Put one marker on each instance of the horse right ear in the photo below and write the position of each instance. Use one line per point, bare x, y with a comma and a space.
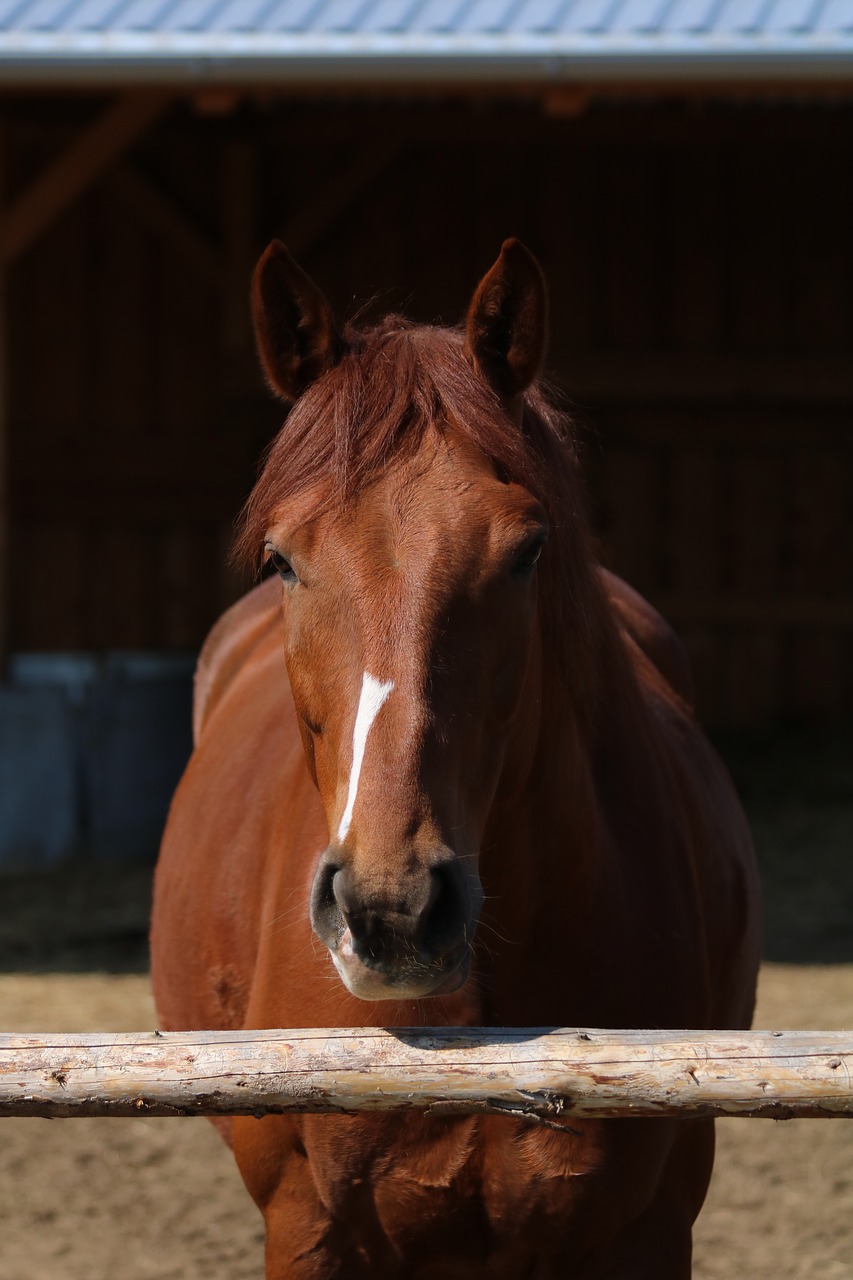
296, 333
507, 323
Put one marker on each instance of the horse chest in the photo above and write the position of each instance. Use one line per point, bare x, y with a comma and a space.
497, 1197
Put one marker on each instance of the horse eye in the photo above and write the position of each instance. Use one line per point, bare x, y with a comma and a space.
283, 567
526, 561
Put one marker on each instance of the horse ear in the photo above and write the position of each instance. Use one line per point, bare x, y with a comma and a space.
507, 323
296, 334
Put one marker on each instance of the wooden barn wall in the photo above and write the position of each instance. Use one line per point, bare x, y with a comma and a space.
700, 262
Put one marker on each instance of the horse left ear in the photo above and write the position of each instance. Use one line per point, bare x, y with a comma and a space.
295, 330
507, 324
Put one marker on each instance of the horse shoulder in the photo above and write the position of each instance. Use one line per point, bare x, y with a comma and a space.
208, 883
696, 797
229, 645
651, 633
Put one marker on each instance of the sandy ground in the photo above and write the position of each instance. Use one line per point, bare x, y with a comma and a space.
143, 1199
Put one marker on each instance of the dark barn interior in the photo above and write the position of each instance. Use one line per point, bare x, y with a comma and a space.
699, 257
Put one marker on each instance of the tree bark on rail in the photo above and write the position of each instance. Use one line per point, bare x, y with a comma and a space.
549, 1076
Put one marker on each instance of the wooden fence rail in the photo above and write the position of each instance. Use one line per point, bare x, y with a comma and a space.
547, 1075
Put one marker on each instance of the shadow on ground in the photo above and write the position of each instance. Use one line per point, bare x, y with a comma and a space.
796, 784
89, 916
797, 787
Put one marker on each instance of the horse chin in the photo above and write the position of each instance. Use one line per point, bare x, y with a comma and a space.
386, 984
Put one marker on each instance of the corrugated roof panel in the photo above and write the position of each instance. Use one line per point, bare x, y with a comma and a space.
537, 15
282, 15
588, 15
791, 15
9, 10
388, 15
641, 15
740, 15
189, 15
487, 15
43, 15
241, 15
837, 15
373, 42
437, 15
613, 19
339, 15
691, 15
92, 15
143, 15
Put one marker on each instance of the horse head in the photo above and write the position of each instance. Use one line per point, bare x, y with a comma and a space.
402, 507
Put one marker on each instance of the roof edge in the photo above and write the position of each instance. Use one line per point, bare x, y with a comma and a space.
177, 58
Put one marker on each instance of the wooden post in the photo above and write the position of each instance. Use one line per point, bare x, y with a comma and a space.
163, 216
549, 1077
79, 165
307, 226
239, 235
241, 381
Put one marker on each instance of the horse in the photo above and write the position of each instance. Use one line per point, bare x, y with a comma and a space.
446, 772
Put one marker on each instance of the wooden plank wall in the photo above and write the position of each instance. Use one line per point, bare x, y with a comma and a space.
702, 315
126, 482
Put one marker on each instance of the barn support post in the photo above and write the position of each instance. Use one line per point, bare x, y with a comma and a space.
239, 214
241, 381
162, 215
82, 162
308, 224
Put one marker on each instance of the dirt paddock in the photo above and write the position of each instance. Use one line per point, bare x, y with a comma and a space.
145, 1199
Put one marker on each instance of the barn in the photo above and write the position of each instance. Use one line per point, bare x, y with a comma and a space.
682, 168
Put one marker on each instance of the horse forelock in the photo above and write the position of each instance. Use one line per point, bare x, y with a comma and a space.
395, 383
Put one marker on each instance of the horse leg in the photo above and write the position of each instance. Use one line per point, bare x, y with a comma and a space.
659, 1244
276, 1172
304, 1238
297, 1242
657, 1251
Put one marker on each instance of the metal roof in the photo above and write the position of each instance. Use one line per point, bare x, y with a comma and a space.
376, 42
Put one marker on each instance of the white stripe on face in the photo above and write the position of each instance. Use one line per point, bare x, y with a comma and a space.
373, 696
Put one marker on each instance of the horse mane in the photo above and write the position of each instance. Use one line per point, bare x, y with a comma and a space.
395, 382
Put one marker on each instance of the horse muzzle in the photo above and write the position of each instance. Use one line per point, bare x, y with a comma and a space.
399, 941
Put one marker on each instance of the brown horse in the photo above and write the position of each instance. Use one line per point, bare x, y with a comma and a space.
446, 772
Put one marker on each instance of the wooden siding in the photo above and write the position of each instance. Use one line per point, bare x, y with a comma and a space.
701, 270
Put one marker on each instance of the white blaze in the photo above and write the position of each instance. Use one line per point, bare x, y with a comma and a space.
373, 696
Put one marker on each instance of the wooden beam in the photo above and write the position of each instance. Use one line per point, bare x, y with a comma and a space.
239, 217
76, 169
708, 380
240, 383
324, 208
755, 610
550, 1076
163, 216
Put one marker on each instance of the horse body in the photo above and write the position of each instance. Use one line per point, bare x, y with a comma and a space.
456, 738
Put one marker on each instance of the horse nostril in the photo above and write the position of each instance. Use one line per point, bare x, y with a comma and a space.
445, 918
341, 892
362, 922
324, 912
423, 919
325, 888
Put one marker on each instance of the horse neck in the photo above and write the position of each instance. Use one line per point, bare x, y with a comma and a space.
550, 822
